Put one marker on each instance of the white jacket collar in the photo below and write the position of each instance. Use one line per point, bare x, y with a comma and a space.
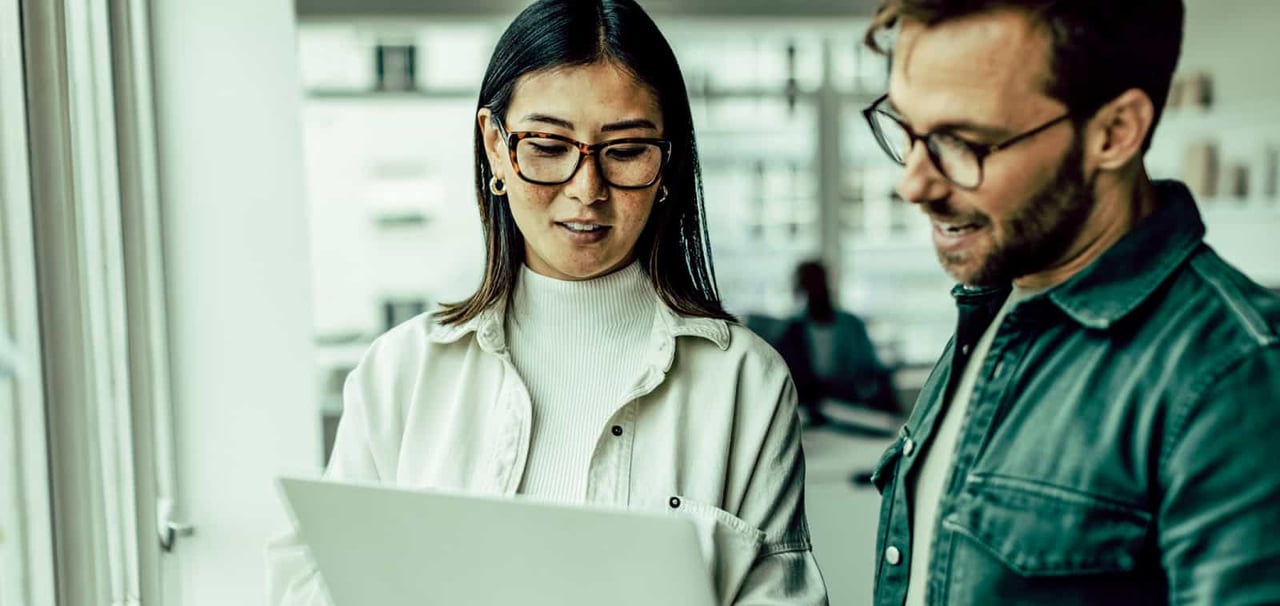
489, 327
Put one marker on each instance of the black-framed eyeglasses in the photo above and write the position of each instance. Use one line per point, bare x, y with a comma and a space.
960, 161
551, 159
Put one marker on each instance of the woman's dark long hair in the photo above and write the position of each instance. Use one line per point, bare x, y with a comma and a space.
673, 248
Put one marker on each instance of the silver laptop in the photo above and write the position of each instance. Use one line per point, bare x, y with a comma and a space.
394, 547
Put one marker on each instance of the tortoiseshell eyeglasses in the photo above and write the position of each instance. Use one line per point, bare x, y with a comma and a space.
550, 159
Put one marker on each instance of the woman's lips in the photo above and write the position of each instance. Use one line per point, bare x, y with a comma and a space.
583, 233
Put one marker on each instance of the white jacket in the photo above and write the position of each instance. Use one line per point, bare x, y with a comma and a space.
712, 421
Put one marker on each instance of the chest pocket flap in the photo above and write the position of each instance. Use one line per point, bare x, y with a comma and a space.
729, 544
1037, 529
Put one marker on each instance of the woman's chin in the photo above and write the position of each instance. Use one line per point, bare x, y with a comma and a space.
576, 264
587, 270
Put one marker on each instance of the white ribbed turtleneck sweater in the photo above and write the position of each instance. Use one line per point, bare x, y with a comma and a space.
578, 346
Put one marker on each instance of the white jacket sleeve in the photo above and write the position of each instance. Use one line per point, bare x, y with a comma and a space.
292, 576
785, 571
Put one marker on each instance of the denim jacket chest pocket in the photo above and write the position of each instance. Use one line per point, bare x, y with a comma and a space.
1029, 540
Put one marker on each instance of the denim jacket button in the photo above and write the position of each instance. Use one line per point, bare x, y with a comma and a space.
908, 447
893, 556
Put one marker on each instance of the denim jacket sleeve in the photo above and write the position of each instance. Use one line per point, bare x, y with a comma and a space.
785, 571
1218, 516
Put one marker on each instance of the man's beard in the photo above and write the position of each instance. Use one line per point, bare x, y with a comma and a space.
1040, 233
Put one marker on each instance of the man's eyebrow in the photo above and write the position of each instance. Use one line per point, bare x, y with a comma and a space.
983, 131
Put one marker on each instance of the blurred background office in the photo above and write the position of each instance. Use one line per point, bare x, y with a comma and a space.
210, 209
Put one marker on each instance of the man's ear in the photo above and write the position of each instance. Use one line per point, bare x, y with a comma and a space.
494, 146
1116, 134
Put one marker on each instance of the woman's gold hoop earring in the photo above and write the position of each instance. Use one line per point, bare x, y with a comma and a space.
497, 186
662, 193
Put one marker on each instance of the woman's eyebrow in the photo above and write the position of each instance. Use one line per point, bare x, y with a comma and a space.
611, 127
547, 119
629, 125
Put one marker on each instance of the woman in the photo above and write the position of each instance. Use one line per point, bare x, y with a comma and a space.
594, 364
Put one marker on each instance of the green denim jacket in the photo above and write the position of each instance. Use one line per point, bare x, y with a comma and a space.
1123, 441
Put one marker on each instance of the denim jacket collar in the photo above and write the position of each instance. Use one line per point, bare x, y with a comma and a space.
1127, 274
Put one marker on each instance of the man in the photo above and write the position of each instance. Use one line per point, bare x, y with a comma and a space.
1102, 427
831, 356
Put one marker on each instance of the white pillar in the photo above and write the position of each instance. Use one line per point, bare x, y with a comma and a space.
228, 100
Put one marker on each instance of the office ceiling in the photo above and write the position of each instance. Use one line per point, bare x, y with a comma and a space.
308, 9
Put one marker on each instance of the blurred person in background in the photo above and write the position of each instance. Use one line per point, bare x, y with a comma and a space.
831, 356
595, 363
1101, 429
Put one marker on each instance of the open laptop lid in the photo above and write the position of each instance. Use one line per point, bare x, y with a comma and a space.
394, 547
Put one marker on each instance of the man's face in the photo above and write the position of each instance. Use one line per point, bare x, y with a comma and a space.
982, 78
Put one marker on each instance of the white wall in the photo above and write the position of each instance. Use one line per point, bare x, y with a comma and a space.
357, 264
369, 155
1235, 42
239, 298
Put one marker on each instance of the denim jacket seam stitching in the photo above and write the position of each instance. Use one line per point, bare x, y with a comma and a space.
982, 542
1001, 356
1045, 489
1020, 565
935, 561
1253, 325
1143, 288
984, 382
948, 566
936, 387
883, 536
1183, 407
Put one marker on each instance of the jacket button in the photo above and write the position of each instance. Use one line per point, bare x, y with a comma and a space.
674, 502
893, 556
617, 430
964, 350
908, 447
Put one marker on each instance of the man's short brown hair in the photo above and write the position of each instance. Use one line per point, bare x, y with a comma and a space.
1100, 48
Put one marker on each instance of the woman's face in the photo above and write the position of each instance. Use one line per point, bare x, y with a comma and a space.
584, 227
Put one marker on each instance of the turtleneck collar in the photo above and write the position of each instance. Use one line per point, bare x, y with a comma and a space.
623, 296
